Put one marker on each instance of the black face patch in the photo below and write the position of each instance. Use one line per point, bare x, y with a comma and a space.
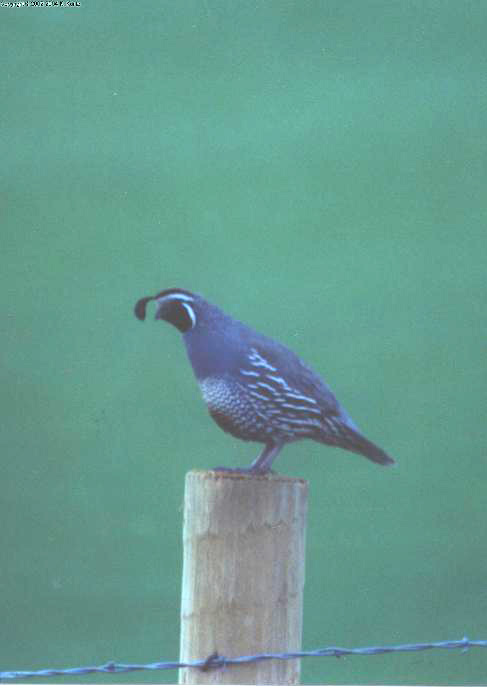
179, 313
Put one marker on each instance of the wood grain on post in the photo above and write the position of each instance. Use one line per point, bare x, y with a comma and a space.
243, 574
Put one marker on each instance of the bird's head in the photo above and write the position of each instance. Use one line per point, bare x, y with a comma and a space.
176, 306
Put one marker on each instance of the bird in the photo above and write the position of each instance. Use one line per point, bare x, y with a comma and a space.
254, 387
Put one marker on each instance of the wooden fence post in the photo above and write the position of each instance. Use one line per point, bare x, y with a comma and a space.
243, 574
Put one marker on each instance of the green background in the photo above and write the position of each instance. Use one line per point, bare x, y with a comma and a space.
317, 169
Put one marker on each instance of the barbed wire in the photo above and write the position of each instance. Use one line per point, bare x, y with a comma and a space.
215, 661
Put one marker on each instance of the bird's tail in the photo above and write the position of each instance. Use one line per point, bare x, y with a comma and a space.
350, 439
356, 442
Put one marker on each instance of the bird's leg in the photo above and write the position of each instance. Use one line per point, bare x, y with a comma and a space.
260, 465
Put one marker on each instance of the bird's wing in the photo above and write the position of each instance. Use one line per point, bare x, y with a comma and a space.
282, 366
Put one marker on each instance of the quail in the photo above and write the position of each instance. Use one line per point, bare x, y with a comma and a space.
255, 388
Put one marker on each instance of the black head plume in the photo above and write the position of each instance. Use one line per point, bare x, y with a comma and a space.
140, 307
175, 306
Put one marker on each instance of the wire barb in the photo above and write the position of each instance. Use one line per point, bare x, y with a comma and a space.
215, 661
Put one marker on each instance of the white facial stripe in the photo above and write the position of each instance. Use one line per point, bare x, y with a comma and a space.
191, 314
179, 297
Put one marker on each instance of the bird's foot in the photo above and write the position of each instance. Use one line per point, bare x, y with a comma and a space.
260, 471
242, 470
